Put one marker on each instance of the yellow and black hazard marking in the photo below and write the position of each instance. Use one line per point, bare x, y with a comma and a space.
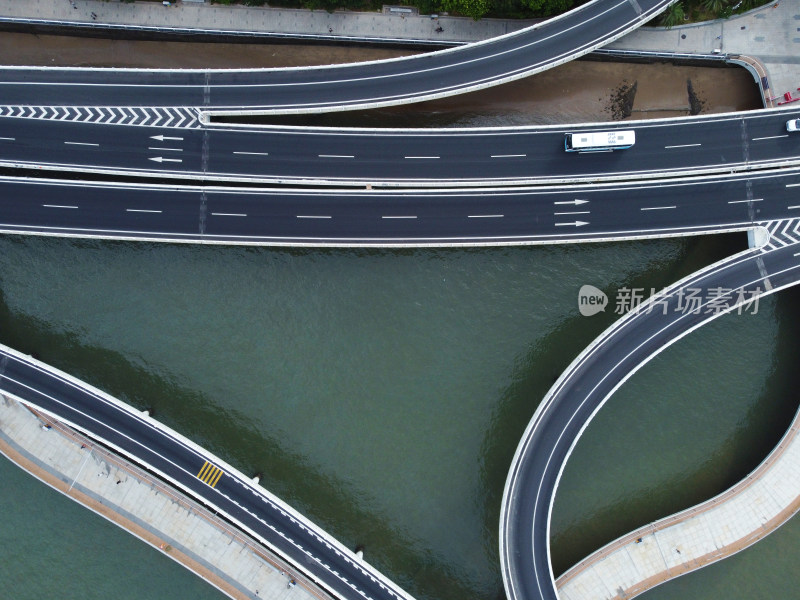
209, 474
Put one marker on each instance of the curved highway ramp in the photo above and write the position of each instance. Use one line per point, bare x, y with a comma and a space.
593, 377
338, 87
196, 472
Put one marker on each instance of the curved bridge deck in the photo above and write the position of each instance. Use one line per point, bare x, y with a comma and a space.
156, 513
197, 473
592, 378
339, 87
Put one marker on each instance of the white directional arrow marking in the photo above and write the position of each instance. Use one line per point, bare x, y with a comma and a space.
573, 224
162, 159
576, 202
161, 138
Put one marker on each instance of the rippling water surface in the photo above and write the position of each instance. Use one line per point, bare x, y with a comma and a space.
383, 394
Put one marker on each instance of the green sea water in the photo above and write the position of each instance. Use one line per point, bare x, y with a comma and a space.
383, 392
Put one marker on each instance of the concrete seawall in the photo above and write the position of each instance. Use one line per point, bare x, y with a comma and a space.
153, 511
696, 537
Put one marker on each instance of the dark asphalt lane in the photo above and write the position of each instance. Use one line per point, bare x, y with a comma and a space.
401, 157
161, 451
436, 74
398, 218
52, 208
587, 384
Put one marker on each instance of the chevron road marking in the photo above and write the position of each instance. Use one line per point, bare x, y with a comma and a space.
185, 118
782, 233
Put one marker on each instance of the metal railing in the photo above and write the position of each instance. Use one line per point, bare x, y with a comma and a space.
182, 500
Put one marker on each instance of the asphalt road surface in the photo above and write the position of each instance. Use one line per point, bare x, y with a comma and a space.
590, 380
338, 87
163, 451
385, 157
470, 216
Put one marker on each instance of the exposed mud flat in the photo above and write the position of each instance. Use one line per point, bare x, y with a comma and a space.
620, 104
696, 104
579, 91
69, 51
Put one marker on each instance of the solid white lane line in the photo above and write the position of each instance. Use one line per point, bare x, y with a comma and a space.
314, 217
683, 146
166, 149
336, 156
792, 184
399, 217
58, 206
743, 201
509, 155
142, 210
199, 452
793, 207
253, 153
658, 208
228, 214
80, 144
485, 216
771, 137
412, 157
504, 76
8, 139
577, 212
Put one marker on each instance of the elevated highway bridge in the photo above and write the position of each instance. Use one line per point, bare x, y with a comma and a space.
701, 196
339, 87
135, 145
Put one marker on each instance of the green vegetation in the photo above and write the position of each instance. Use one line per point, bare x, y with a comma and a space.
684, 11
509, 9
694, 11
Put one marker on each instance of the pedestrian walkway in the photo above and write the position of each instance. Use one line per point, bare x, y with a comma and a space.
696, 537
156, 513
386, 26
767, 38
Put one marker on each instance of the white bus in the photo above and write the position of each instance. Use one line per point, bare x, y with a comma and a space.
599, 141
